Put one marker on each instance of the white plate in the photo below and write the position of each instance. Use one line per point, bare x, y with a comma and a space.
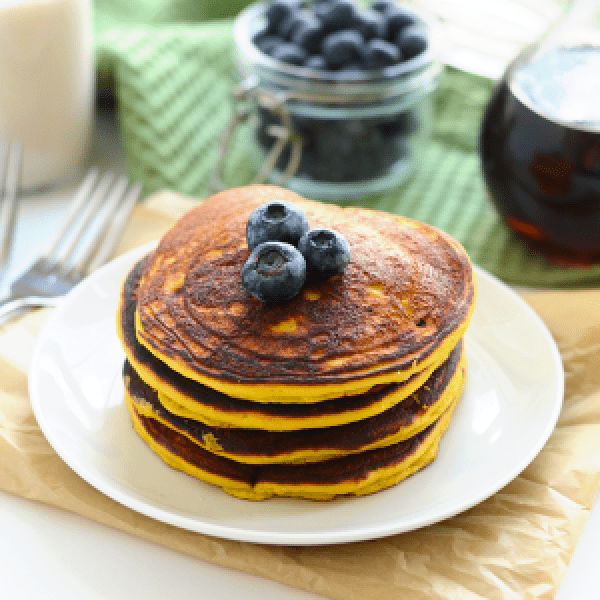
508, 410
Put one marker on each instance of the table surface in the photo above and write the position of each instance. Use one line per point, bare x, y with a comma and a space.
73, 557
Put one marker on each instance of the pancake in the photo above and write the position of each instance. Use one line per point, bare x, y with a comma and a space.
235, 412
257, 446
187, 398
398, 308
354, 474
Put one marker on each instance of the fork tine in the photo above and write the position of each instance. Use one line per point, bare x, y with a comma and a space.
109, 206
111, 230
11, 159
81, 196
85, 218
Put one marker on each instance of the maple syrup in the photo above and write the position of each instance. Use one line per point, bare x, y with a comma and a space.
540, 150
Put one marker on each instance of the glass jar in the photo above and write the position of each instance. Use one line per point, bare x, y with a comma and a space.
540, 140
48, 86
332, 135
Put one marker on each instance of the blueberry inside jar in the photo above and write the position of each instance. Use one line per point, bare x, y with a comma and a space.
354, 83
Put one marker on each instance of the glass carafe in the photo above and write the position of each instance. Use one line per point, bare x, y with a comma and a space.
540, 140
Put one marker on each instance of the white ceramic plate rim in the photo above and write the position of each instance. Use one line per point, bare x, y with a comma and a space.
508, 410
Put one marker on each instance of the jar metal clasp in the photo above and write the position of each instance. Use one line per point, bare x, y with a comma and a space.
245, 95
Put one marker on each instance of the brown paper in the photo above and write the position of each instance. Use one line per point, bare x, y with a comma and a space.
516, 544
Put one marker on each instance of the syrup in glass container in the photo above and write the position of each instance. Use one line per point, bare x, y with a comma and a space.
540, 150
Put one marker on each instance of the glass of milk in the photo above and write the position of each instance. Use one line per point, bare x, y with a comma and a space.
47, 86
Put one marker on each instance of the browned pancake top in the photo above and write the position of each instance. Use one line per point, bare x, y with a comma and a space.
407, 287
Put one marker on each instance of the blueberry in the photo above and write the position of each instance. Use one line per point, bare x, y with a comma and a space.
276, 221
336, 14
267, 42
274, 272
342, 47
308, 33
411, 41
326, 251
371, 24
381, 53
278, 11
397, 19
284, 29
383, 5
289, 53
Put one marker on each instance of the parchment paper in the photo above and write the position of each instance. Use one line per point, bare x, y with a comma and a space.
516, 544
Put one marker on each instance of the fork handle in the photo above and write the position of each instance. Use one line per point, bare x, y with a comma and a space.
10, 307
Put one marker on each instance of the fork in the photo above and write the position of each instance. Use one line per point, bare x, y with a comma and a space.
11, 155
94, 222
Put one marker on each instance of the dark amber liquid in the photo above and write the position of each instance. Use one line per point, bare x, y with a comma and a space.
544, 177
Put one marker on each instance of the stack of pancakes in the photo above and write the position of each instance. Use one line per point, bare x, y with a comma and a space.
344, 389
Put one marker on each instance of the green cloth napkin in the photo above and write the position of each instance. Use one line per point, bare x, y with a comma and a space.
174, 82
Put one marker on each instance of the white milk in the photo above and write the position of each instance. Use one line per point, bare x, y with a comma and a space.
47, 81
